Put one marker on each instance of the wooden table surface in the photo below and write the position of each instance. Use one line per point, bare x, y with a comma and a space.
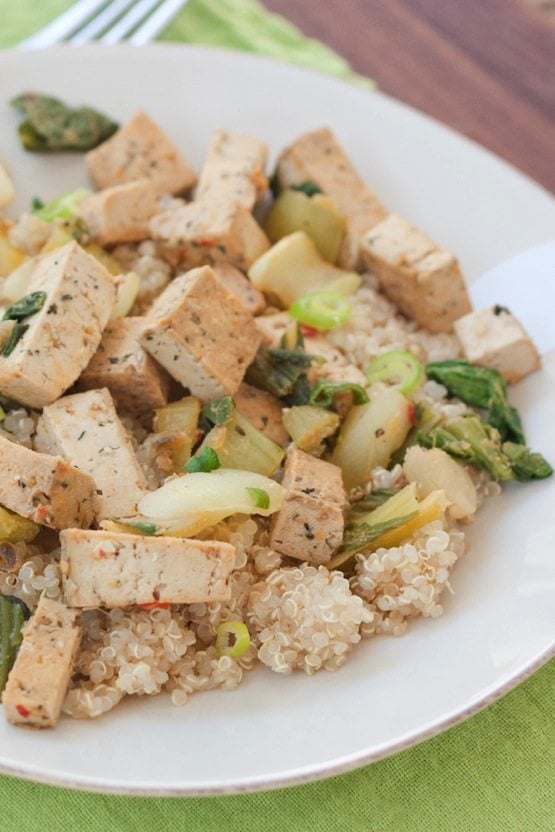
485, 67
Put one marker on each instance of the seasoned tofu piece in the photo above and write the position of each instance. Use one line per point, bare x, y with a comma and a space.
239, 285
120, 214
201, 334
494, 338
318, 157
85, 429
107, 569
424, 280
44, 488
64, 334
39, 679
234, 169
209, 231
263, 411
309, 526
140, 150
137, 383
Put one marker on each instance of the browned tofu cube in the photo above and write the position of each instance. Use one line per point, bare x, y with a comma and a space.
309, 526
233, 170
137, 383
494, 338
120, 214
318, 157
201, 334
209, 231
424, 280
263, 410
140, 150
239, 285
108, 569
39, 679
64, 334
44, 488
85, 429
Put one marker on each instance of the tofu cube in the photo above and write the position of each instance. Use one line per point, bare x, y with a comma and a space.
39, 679
424, 280
209, 231
201, 334
239, 285
84, 428
309, 526
233, 170
44, 488
263, 410
318, 157
106, 569
120, 214
140, 150
64, 334
494, 338
137, 383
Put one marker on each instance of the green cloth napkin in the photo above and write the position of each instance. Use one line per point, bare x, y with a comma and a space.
494, 773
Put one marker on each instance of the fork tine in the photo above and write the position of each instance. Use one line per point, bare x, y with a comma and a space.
100, 21
63, 25
157, 21
135, 14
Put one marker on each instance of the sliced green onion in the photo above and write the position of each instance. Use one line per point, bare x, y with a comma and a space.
399, 368
206, 461
232, 639
63, 207
321, 310
323, 391
260, 498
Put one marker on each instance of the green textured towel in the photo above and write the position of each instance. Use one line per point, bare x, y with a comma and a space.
494, 773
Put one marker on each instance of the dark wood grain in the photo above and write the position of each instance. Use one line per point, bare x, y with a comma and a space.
485, 67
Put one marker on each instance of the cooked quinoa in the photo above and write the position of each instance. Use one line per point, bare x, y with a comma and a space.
297, 599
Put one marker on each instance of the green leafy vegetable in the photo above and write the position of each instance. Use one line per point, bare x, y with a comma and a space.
323, 392
260, 498
278, 370
13, 614
17, 332
480, 387
206, 461
372, 501
36, 204
309, 188
359, 535
64, 207
526, 464
50, 125
470, 439
218, 411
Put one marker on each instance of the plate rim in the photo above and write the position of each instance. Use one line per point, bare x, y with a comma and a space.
312, 772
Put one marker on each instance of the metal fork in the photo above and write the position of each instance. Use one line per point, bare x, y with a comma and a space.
107, 22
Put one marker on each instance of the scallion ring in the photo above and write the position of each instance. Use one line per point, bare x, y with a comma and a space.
232, 639
398, 368
321, 310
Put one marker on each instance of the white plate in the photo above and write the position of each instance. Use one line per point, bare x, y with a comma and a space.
499, 625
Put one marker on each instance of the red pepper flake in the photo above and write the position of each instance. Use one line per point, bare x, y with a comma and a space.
411, 410
41, 511
154, 605
22, 711
101, 552
205, 241
309, 331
